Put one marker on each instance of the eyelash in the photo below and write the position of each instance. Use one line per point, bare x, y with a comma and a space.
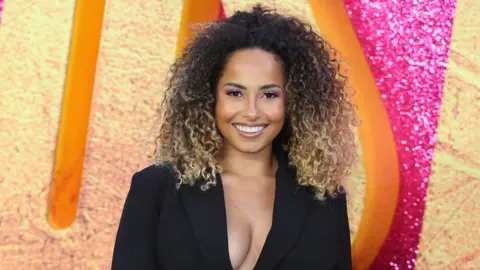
234, 93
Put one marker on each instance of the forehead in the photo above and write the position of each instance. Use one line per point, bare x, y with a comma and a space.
253, 65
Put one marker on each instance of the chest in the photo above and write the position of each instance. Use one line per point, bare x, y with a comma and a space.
213, 230
249, 211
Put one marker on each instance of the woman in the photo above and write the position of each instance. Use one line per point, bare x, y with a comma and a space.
255, 140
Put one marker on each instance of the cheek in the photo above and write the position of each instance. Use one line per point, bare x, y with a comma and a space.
277, 113
223, 112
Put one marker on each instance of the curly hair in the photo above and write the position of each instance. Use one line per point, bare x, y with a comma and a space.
317, 133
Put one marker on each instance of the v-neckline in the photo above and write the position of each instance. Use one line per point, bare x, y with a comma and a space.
207, 214
226, 240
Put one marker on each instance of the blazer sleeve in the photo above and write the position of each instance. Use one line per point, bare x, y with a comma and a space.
136, 240
344, 256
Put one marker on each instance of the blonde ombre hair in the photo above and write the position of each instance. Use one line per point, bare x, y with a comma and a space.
318, 133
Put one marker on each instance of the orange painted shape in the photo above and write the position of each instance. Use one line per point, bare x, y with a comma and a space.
376, 135
193, 12
73, 130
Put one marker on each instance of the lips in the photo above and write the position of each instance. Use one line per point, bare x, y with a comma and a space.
250, 130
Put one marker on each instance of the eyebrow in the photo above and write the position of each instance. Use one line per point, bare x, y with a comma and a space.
264, 87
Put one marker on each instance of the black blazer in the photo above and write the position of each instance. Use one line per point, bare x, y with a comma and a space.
164, 228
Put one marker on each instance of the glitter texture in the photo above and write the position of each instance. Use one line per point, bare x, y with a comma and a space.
1, 9
407, 46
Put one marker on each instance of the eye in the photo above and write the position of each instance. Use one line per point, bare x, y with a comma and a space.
234, 93
270, 95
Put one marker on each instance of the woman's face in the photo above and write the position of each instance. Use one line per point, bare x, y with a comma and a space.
250, 100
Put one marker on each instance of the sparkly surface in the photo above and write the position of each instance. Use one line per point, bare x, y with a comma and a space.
451, 225
1, 9
407, 47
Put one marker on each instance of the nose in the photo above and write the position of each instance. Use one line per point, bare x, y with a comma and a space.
251, 111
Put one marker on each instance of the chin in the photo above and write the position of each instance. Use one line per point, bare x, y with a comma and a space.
251, 148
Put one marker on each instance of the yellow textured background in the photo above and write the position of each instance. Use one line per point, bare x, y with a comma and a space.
138, 44
451, 229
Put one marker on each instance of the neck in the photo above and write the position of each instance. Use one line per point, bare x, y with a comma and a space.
234, 161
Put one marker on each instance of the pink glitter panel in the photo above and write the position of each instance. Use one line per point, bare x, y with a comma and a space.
1, 9
407, 44
221, 12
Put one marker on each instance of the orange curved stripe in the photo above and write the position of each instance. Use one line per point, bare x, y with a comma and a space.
195, 11
67, 173
376, 135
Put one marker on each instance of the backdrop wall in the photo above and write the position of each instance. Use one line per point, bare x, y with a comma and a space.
432, 103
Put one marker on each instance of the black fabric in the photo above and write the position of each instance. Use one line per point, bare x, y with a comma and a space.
164, 228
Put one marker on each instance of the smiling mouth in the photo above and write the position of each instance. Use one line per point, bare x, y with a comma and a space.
250, 131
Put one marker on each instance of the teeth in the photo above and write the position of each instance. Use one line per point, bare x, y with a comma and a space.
250, 129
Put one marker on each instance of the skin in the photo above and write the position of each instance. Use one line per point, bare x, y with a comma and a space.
250, 92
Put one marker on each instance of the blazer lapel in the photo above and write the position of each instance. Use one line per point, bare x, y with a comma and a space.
206, 211
291, 206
